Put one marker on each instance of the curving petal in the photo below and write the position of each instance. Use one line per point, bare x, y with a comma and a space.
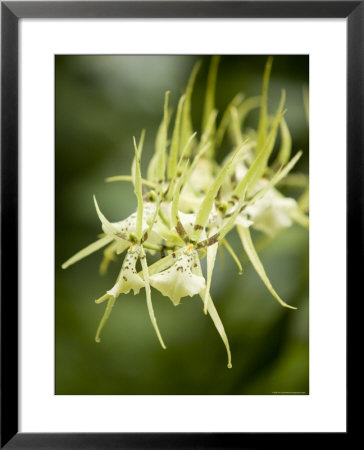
211, 258
246, 240
87, 251
213, 313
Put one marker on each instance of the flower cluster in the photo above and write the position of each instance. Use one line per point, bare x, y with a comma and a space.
187, 204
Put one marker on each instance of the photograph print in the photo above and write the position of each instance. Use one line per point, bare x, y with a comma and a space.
182, 224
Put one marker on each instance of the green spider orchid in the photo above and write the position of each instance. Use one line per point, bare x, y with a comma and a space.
188, 204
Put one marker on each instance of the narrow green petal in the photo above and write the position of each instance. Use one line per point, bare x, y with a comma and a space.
263, 117
164, 263
248, 105
219, 326
186, 124
208, 201
149, 297
129, 178
296, 180
173, 156
211, 258
286, 143
181, 166
138, 191
87, 251
140, 150
256, 170
235, 125
106, 315
176, 195
108, 227
163, 144
157, 165
210, 90
232, 254
280, 175
208, 134
226, 117
214, 314
186, 152
248, 245
102, 299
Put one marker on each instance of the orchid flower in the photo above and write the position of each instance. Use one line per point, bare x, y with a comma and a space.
188, 204
179, 280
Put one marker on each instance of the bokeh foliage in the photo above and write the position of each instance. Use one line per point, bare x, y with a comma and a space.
101, 102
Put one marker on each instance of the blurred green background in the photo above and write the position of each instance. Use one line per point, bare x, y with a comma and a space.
101, 102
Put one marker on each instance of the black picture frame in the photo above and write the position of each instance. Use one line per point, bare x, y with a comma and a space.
11, 12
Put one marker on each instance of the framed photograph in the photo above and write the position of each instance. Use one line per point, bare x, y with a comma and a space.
181, 190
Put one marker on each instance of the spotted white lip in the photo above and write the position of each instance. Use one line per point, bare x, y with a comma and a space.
178, 281
128, 278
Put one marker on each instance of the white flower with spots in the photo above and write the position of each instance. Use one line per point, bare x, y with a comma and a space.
189, 203
178, 281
